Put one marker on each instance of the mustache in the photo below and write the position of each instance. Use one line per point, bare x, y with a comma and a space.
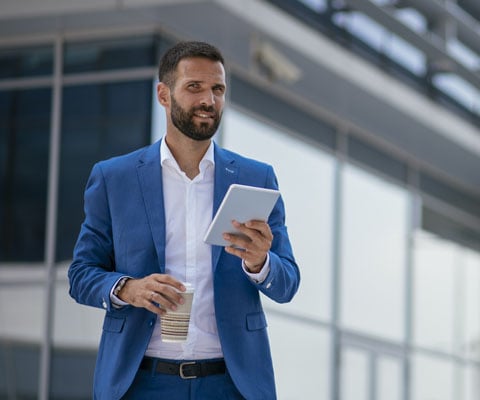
209, 109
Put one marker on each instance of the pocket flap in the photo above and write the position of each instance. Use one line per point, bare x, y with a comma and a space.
256, 321
112, 324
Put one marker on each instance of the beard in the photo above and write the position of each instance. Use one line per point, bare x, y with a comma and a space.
183, 121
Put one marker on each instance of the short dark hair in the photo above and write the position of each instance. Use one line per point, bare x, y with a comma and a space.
181, 50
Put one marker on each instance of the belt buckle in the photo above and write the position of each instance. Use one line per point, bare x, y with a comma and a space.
183, 364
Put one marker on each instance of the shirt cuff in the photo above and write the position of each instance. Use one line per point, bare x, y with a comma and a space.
116, 302
258, 277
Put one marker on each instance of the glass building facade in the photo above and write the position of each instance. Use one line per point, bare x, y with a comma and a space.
389, 304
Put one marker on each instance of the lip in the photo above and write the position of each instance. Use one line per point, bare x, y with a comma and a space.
204, 115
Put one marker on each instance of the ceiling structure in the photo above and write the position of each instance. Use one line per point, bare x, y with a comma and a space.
326, 80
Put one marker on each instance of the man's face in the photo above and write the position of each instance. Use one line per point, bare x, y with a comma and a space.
198, 97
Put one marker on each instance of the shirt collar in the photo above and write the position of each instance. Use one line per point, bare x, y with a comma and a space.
167, 158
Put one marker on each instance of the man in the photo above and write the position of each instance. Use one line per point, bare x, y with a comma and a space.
145, 216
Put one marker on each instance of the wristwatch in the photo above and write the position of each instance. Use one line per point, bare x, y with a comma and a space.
120, 285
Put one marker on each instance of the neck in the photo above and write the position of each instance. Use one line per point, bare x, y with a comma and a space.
187, 152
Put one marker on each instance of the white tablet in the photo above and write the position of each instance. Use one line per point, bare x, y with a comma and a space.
241, 203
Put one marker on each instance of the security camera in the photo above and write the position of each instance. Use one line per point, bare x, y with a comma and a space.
274, 64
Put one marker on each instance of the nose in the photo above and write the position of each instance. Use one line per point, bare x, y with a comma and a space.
208, 98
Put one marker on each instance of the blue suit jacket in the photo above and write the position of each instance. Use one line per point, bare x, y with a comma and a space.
124, 234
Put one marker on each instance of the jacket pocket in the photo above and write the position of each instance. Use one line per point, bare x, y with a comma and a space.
256, 321
112, 324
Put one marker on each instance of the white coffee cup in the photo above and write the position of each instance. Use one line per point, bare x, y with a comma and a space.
174, 324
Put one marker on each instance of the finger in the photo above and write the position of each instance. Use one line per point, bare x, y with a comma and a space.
155, 308
169, 280
254, 243
255, 230
167, 286
166, 290
260, 226
253, 262
168, 294
237, 240
245, 254
161, 300
241, 253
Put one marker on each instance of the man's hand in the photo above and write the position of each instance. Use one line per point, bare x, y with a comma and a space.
253, 245
155, 292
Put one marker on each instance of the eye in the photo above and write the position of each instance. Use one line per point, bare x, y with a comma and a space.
219, 89
193, 85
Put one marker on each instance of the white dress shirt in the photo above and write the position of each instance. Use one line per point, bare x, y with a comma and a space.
188, 213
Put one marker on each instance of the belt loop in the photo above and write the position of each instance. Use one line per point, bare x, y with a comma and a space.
153, 369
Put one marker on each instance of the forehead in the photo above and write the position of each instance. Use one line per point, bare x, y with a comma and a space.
201, 69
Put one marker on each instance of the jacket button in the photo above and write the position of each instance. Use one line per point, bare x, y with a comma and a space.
104, 304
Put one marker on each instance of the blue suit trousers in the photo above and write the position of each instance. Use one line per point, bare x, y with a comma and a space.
149, 385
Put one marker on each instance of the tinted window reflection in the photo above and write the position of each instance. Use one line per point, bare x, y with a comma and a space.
26, 62
72, 374
111, 54
19, 376
24, 143
99, 121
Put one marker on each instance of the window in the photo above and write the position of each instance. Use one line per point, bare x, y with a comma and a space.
432, 378
301, 355
25, 62
24, 151
355, 375
109, 54
99, 121
390, 382
446, 294
305, 176
373, 254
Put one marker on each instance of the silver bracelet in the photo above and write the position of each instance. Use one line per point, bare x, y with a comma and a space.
120, 285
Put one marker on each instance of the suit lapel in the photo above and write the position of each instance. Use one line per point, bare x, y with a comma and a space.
151, 185
226, 173
150, 179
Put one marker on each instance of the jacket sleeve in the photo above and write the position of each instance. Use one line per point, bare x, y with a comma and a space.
283, 280
91, 274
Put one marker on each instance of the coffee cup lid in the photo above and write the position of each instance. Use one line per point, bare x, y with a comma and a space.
188, 286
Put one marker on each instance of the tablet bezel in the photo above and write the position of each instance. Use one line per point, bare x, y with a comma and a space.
241, 203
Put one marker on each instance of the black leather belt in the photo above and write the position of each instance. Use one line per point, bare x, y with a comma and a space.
184, 369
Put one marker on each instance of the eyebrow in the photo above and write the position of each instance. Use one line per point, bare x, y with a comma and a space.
218, 84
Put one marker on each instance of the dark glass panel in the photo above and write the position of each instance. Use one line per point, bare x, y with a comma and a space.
72, 374
24, 149
461, 199
26, 62
19, 370
98, 122
262, 103
377, 159
109, 54
447, 228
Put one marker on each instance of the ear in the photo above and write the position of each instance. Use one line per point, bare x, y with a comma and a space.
163, 94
